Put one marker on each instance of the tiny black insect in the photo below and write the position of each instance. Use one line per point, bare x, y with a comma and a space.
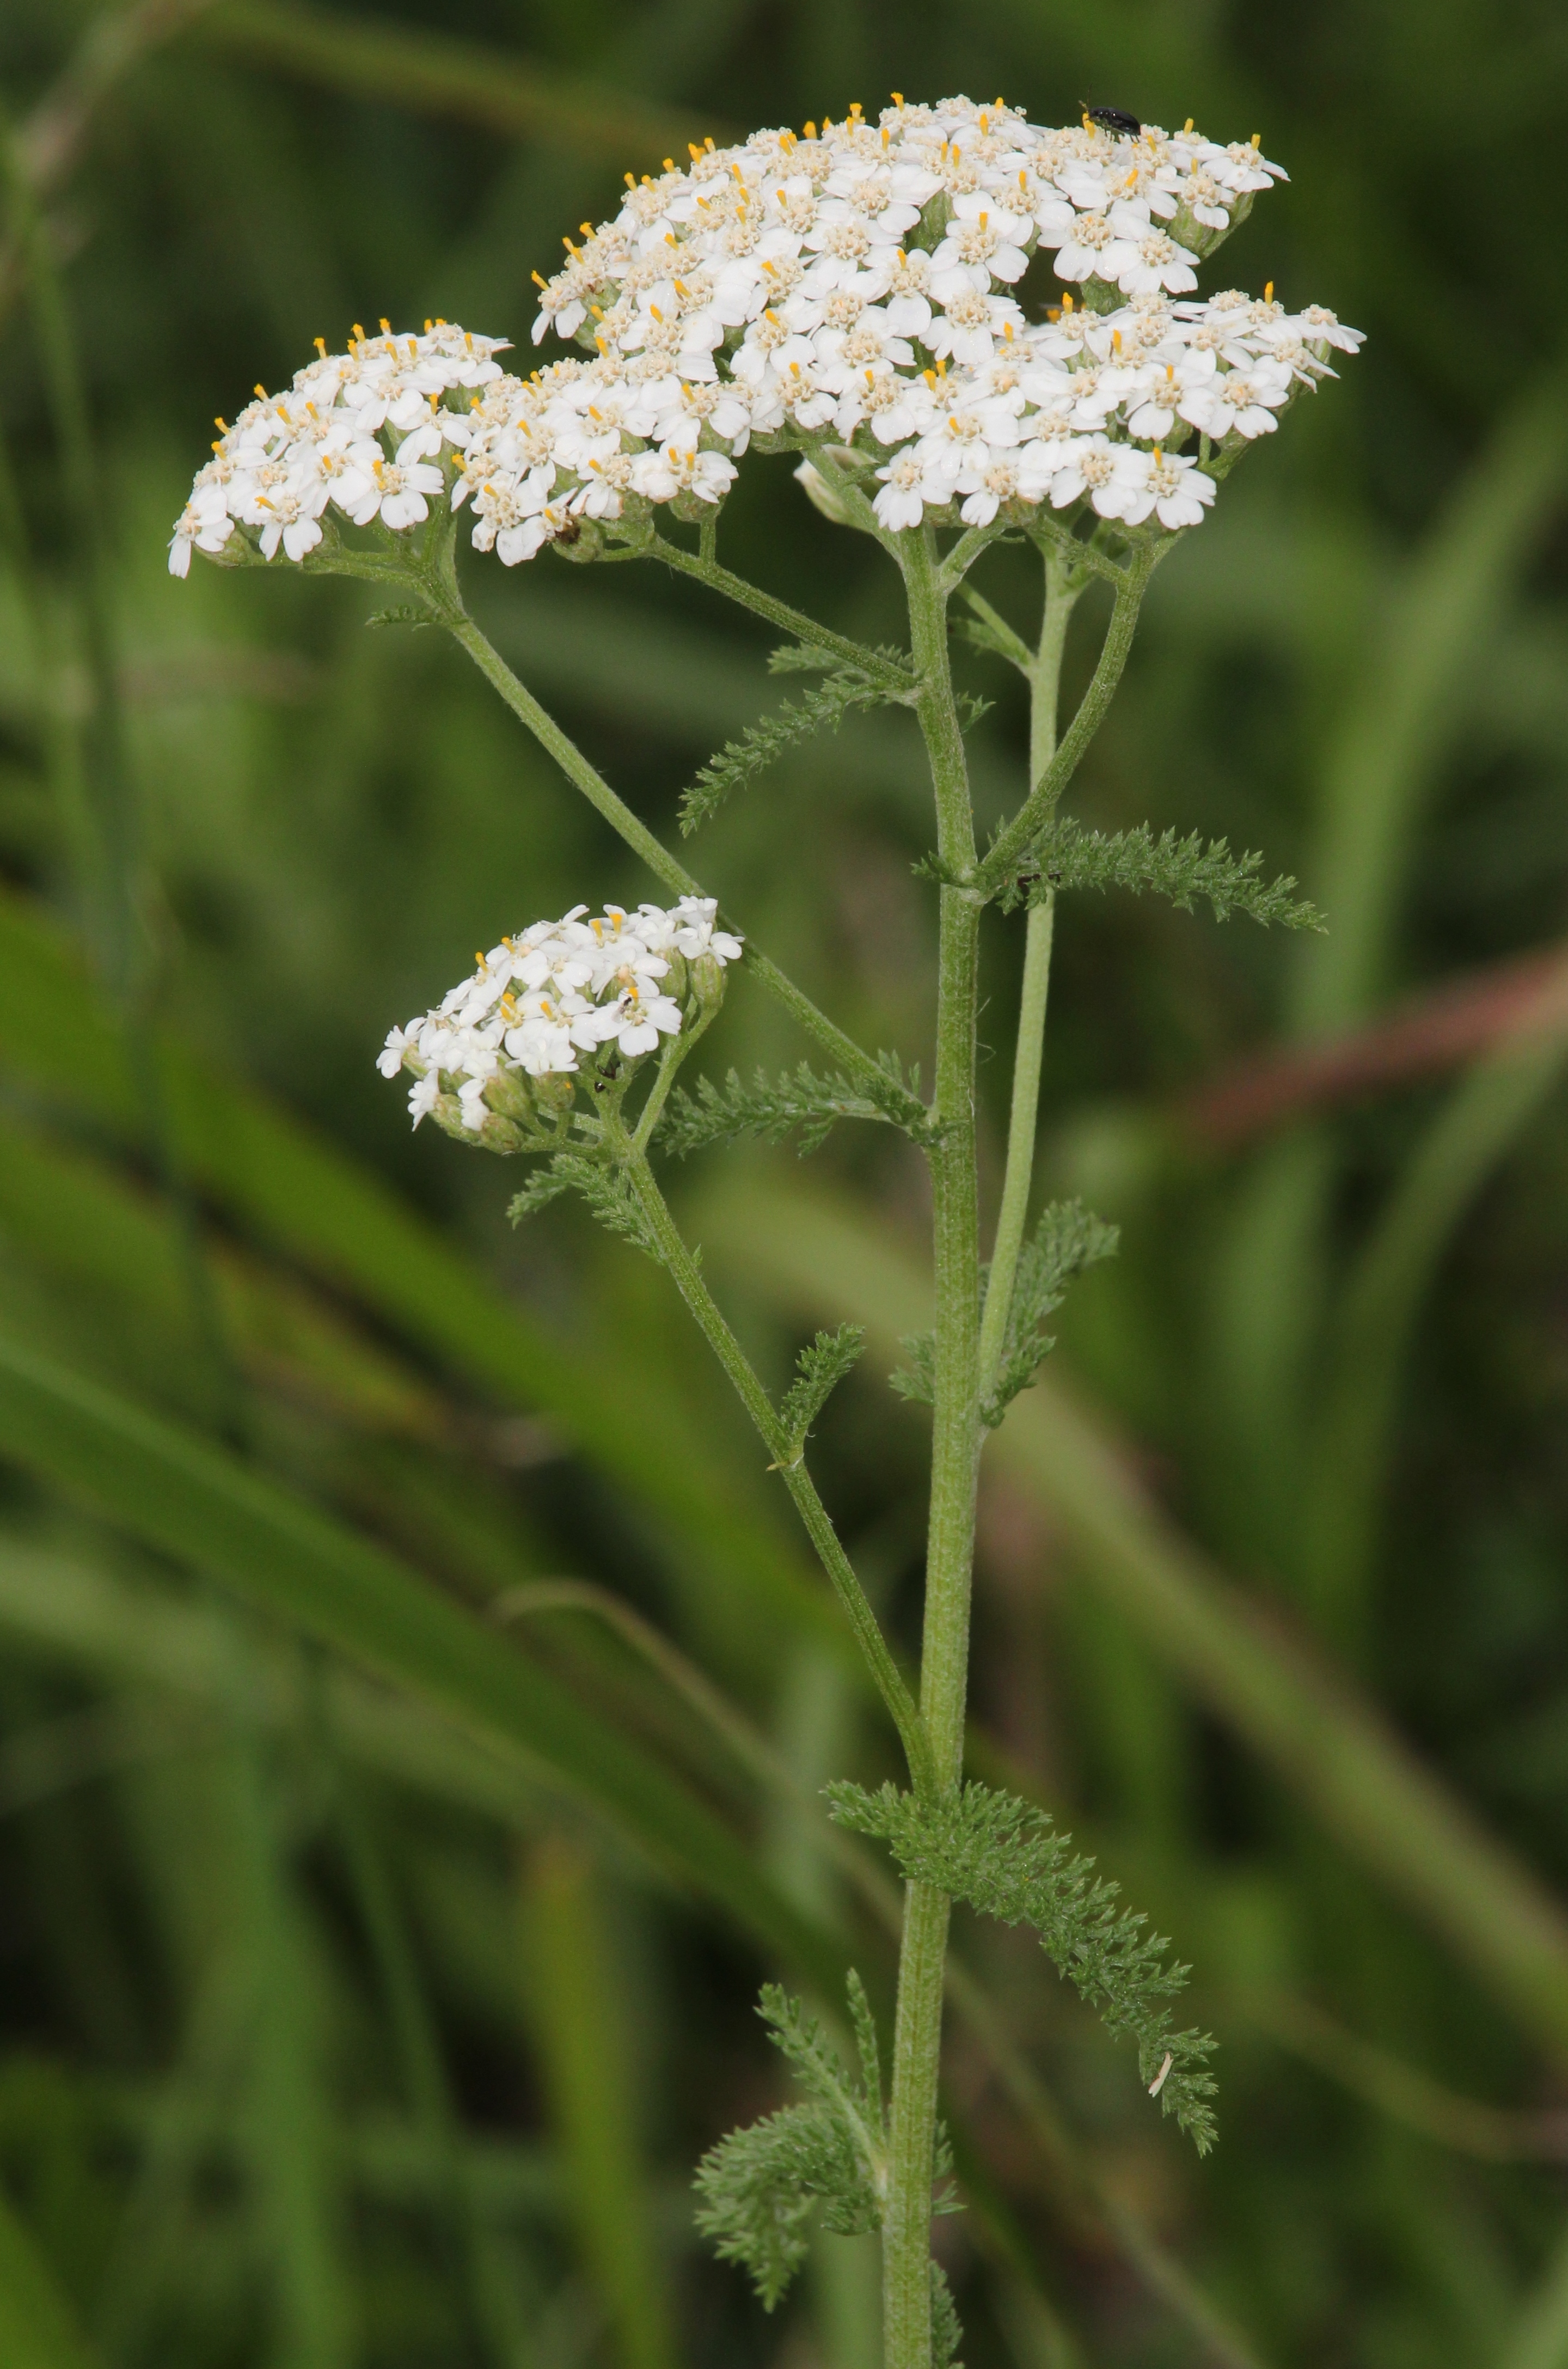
1114, 119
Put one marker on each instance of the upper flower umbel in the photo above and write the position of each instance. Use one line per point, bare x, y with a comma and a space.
852, 286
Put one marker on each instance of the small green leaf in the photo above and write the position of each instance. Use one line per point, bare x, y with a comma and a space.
739, 762
1007, 1861
917, 1380
1070, 856
1068, 1238
761, 2186
773, 1107
822, 1367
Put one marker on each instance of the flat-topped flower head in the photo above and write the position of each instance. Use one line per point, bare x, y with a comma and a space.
852, 286
559, 998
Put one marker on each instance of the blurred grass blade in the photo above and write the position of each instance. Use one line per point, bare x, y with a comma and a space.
583, 2041
1327, 1743
285, 2111
434, 75
76, 1217
37, 2329
1475, 1130
1439, 631
315, 1204
1540, 2337
175, 1492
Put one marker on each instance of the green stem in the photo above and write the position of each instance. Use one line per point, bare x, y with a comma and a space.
863, 1621
675, 1051
917, 2042
666, 868
1041, 803
1014, 1211
779, 613
1043, 675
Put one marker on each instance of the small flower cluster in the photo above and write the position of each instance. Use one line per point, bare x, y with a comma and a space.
607, 988
364, 430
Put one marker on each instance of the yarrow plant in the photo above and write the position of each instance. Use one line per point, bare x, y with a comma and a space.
851, 295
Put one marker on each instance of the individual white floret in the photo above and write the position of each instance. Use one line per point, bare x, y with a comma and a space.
204, 521
901, 502
1170, 486
1108, 474
661, 475
1239, 402
396, 492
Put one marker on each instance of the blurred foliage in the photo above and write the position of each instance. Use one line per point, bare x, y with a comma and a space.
372, 1978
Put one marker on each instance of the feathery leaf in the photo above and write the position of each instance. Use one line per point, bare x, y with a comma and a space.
761, 2186
917, 1380
1072, 856
770, 1107
1006, 1859
822, 1367
607, 1190
1066, 1239
739, 762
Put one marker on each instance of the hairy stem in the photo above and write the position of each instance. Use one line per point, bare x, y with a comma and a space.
778, 613
863, 1621
917, 2040
666, 868
1041, 803
1044, 674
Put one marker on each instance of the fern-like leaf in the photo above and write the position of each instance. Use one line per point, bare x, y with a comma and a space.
607, 1190
1007, 1861
822, 1367
1068, 1238
946, 2333
806, 658
545, 1184
760, 2187
820, 709
774, 1107
917, 1380
1072, 856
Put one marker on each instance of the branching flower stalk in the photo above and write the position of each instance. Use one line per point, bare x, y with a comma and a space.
842, 295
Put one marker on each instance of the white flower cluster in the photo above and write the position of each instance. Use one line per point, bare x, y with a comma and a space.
853, 285
561, 988
364, 430
848, 291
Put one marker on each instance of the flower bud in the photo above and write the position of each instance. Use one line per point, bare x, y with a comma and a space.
511, 1094
707, 982
822, 496
677, 980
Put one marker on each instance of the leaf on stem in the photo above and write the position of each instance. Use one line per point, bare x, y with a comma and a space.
739, 762
1072, 856
946, 2333
1007, 1861
761, 2186
917, 1380
822, 1367
606, 1188
806, 658
1068, 1238
770, 1107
